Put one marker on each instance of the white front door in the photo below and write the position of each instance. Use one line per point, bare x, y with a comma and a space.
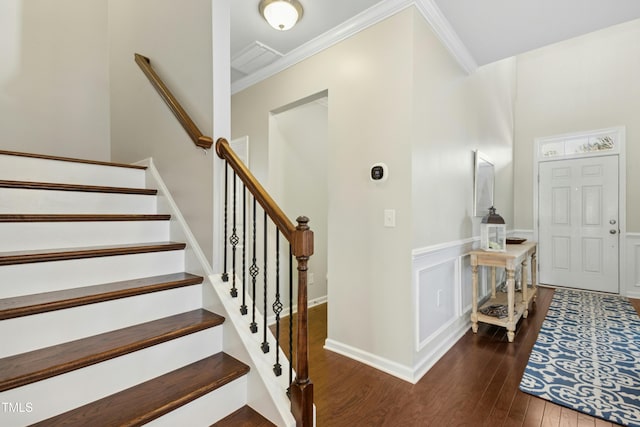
578, 223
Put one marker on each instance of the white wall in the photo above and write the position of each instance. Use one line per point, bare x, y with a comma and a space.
177, 37
368, 79
54, 89
589, 82
395, 96
454, 115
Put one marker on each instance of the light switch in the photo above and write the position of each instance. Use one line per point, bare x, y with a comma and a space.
389, 217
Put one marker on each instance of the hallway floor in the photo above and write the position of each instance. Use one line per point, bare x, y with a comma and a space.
474, 384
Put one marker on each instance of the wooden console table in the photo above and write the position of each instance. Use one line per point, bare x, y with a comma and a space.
517, 302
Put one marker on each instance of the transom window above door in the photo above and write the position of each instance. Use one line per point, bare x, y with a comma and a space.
580, 145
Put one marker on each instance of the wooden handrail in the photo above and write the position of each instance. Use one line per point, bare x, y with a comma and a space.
286, 227
301, 239
189, 126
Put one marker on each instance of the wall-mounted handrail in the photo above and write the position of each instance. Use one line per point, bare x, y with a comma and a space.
300, 238
189, 126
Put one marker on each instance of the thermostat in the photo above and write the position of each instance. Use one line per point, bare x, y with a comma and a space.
379, 172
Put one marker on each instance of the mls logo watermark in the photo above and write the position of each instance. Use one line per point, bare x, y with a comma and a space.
16, 407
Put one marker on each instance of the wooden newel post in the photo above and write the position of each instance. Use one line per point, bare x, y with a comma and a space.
302, 387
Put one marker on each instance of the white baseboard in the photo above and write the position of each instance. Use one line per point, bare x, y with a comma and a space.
445, 341
385, 365
443, 345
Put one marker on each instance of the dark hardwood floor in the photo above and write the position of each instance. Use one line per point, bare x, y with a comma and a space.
474, 384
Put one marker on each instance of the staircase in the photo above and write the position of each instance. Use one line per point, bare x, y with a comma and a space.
100, 323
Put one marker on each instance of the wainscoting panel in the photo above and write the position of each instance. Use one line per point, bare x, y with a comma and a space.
633, 265
437, 298
466, 289
442, 294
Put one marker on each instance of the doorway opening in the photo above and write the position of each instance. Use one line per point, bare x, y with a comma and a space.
297, 177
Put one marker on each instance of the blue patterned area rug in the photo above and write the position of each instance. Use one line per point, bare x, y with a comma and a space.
587, 357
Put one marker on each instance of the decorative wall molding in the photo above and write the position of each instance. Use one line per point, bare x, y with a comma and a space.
440, 247
360, 22
632, 273
435, 315
446, 295
443, 30
442, 294
437, 268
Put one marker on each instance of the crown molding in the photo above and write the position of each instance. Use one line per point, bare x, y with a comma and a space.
444, 31
363, 20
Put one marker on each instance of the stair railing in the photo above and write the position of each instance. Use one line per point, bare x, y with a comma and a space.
196, 136
300, 240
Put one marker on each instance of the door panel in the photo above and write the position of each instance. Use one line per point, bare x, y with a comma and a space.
578, 201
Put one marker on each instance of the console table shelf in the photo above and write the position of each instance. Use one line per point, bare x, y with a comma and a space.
517, 302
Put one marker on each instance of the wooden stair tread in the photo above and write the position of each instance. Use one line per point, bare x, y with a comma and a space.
33, 185
36, 365
244, 417
71, 159
60, 254
147, 401
82, 217
56, 300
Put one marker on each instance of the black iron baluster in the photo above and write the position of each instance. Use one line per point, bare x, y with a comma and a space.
225, 274
254, 270
277, 307
234, 240
265, 344
290, 320
243, 308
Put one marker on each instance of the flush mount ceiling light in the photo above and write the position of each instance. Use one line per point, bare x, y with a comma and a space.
281, 14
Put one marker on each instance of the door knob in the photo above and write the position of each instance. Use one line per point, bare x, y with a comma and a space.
613, 231
612, 222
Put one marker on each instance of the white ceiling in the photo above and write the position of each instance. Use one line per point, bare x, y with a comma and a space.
477, 32
496, 29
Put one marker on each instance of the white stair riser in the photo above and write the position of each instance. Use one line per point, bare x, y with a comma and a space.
18, 168
208, 409
62, 326
23, 201
27, 279
64, 392
43, 235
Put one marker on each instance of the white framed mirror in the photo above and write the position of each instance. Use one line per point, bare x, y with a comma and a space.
483, 188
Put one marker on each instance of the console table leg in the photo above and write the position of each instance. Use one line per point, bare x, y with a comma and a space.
534, 275
510, 302
474, 302
525, 287
493, 282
